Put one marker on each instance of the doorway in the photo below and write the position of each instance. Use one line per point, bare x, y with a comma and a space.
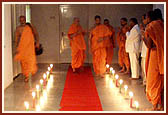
67, 13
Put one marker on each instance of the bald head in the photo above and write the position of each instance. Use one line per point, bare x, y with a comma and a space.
76, 20
22, 20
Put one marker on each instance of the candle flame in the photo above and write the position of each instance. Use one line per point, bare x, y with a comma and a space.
41, 81
26, 104
131, 94
136, 104
44, 76
116, 76
37, 87
107, 66
126, 87
121, 81
111, 69
33, 94
49, 68
47, 72
51, 65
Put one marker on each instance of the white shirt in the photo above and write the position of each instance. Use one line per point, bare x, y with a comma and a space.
143, 49
133, 40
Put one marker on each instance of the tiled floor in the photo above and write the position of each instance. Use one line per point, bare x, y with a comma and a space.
111, 99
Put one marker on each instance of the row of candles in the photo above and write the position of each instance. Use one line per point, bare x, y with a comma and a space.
119, 83
40, 94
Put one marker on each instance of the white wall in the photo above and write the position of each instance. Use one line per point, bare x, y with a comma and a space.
7, 47
46, 19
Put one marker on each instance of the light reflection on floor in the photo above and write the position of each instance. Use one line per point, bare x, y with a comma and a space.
111, 98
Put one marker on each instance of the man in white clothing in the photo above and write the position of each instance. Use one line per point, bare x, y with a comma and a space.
132, 47
143, 50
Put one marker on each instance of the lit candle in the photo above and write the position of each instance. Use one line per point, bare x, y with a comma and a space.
131, 98
51, 66
136, 105
121, 81
113, 72
37, 107
33, 95
48, 75
49, 69
41, 83
107, 66
116, 77
44, 77
111, 69
26, 105
37, 87
125, 87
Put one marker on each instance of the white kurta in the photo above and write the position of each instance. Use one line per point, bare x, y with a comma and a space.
143, 59
132, 47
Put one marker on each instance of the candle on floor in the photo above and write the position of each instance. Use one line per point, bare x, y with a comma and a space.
33, 95
51, 66
126, 88
44, 77
48, 75
111, 69
107, 67
41, 83
136, 105
121, 81
131, 98
26, 105
113, 72
116, 77
49, 69
37, 107
37, 88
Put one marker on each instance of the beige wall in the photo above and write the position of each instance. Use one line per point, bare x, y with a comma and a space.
7, 68
46, 20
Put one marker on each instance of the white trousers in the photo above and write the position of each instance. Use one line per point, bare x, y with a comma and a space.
143, 70
134, 61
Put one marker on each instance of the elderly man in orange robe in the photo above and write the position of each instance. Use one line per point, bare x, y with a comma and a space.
98, 36
123, 57
25, 37
154, 40
110, 42
77, 43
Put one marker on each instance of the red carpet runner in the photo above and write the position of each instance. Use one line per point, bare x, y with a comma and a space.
80, 93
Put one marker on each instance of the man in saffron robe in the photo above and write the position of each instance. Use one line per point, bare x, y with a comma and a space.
98, 36
110, 43
123, 56
25, 43
154, 40
77, 43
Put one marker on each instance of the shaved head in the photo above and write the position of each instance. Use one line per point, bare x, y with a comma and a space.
76, 20
22, 20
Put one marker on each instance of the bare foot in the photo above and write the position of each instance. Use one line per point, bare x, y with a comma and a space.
122, 70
